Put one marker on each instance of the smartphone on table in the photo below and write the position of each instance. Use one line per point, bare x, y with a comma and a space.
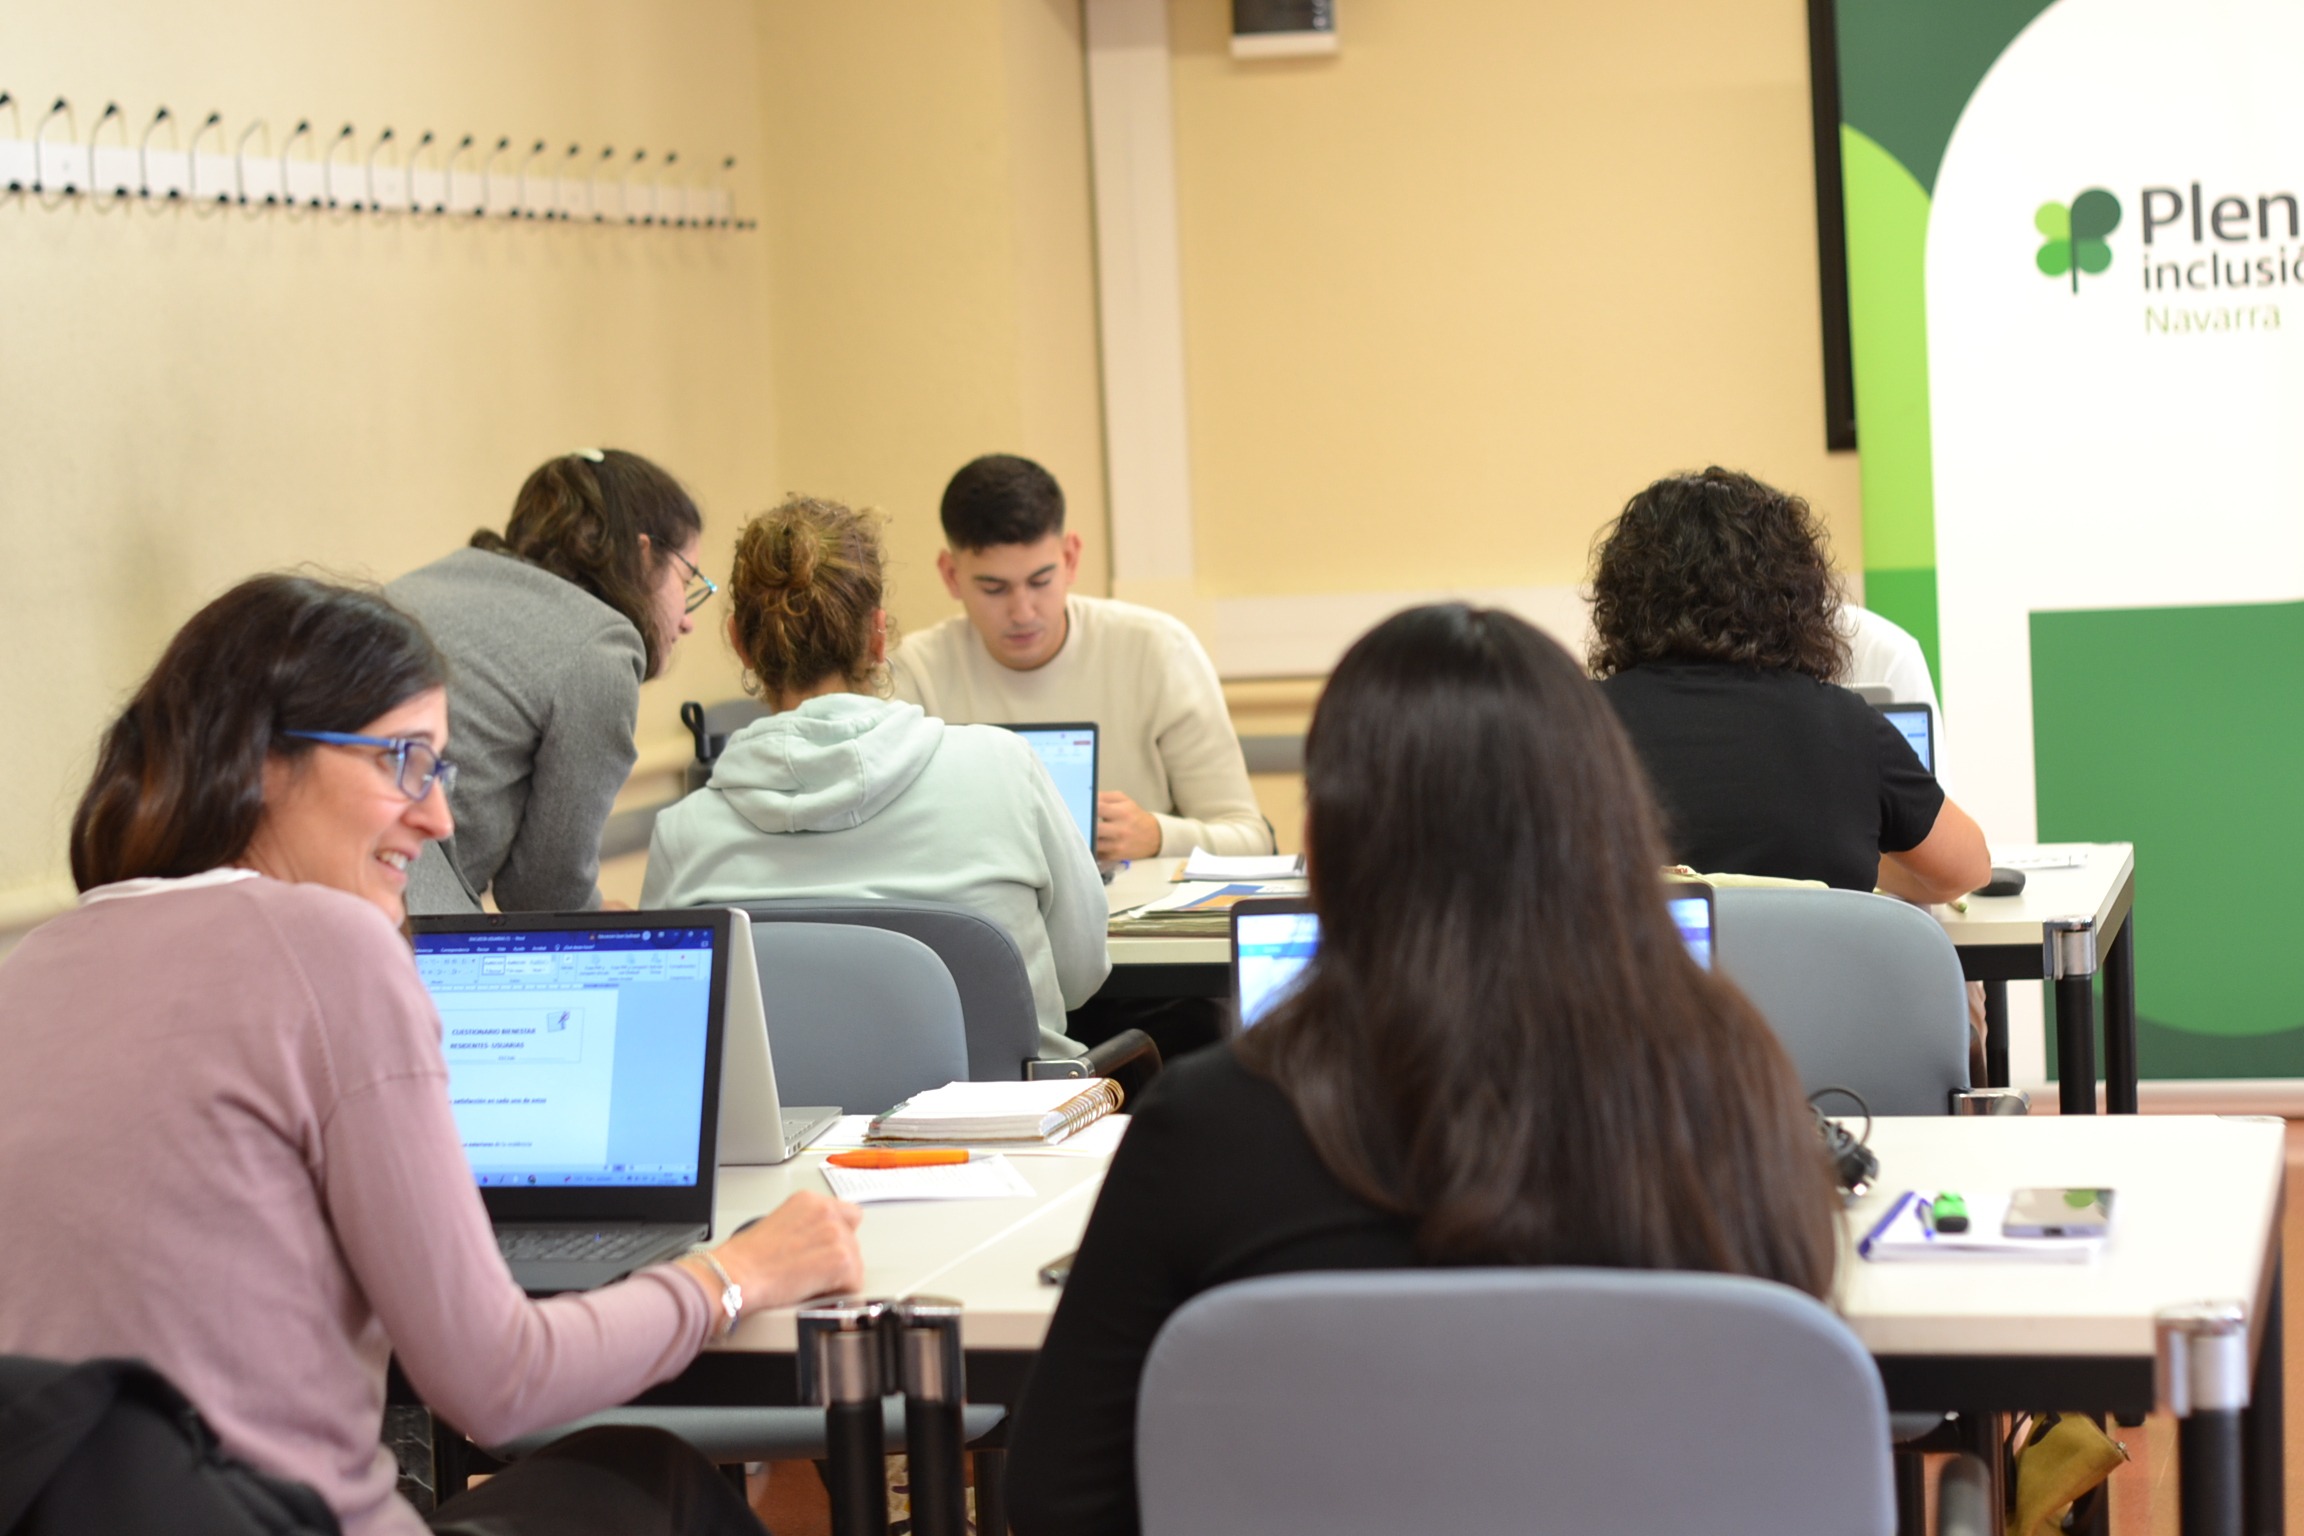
2058, 1213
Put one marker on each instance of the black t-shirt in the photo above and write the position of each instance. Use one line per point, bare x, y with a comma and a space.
1215, 1181
1774, 773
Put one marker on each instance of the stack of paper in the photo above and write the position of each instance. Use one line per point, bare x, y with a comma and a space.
1045, 1111
980, 1178
1204, 865
1906, 1234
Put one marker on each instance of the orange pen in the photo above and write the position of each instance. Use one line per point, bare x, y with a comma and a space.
898, 1157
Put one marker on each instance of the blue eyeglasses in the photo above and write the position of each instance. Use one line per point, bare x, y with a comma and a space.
415, 766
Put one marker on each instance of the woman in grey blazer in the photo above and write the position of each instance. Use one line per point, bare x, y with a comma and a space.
549, 629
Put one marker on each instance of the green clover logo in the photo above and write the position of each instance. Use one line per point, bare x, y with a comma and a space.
2073, 238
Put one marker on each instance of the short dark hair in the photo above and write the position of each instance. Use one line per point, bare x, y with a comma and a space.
1716, 567
1001, 499
580, 516
1502, 1038
179, 780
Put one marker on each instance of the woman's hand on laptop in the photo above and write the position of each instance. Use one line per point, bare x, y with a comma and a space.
805, 1247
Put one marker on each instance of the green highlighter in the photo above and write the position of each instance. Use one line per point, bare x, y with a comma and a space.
1948, 1213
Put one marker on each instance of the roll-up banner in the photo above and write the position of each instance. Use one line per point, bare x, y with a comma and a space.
2076, 304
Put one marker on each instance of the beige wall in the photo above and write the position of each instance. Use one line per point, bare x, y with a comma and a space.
192, 395
1453, 294
931, 263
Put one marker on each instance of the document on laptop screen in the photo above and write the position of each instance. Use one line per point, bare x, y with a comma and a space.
574, 1057
1274, 949
1069, 755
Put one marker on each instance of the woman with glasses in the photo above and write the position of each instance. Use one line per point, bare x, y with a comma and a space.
549, 629
226, 1117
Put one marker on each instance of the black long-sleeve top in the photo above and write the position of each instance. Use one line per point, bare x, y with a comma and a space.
1215, 1182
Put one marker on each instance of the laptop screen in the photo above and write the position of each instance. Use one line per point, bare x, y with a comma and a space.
1274, 948
1918, 723
1271, 948
576, 1056
1068, 752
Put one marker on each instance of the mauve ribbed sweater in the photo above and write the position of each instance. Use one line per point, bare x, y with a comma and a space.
226, 1147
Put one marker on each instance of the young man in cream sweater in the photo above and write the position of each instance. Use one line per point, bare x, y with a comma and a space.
1028, 649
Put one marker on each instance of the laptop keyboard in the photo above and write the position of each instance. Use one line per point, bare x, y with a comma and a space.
590, 1244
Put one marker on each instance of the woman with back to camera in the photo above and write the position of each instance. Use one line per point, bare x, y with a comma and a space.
1716, 637
843, 793
1501, 1054
226, 1120
549, 629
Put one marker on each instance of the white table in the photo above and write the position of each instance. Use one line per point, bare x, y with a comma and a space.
2085, 911
2196, 1217
2000, 939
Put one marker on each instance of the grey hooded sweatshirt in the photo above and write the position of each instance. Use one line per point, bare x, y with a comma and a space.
848, 797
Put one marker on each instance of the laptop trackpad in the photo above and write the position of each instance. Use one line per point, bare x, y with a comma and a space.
548, 1277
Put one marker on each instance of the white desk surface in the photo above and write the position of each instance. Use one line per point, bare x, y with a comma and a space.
2090, 891
1144, 880
2194, 1219
987, 1253
2194, 1213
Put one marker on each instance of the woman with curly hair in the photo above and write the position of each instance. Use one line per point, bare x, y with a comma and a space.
842, 792
1716, 638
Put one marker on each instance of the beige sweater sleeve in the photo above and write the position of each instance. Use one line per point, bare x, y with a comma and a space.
1207, 776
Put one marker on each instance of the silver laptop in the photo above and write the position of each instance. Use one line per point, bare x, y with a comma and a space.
755, 1127
584, 1062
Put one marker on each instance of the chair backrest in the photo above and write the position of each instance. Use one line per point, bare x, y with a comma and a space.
1865, 991
1002, 1021
1556, 1402
857, 1017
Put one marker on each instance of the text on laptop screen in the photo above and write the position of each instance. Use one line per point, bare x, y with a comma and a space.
1692, 915
1069, 755
1274, 949
1913, 720
575, 1057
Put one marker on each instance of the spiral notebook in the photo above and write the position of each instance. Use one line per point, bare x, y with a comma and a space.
1044, 1111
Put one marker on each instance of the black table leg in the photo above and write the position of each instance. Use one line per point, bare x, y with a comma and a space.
1995, 1034
1911, 1493
2120, 1021
991, 1493
2204, 1379
2263, 1429
2076, 1045
2208, 1473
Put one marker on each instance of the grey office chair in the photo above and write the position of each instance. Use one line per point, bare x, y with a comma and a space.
996, 1005
1555, 1402
859, 1017
1865, 992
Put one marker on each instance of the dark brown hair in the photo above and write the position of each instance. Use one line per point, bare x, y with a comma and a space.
1716, 567
1001, 499
581, 519
179, 781
807, 579
1502, 1036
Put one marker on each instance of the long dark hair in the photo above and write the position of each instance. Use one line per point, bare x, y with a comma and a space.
179, 780
581, 518
1503, 1037
1716, 567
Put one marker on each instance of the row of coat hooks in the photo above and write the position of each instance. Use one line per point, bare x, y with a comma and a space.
424, 174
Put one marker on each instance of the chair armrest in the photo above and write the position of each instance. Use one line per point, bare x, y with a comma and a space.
1131, 1058
1991, 1101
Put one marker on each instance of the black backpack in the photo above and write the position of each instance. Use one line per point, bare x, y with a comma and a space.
110, 1445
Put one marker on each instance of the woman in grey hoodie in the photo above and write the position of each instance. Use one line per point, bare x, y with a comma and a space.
843, 794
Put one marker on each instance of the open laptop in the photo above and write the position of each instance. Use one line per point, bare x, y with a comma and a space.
755, 1127
1918, 723
1068, 752
584, 1062
1275, 937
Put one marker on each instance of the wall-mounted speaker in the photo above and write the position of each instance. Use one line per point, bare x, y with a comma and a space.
1269, 29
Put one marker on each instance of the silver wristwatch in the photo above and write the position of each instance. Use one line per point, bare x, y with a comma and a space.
731, 1294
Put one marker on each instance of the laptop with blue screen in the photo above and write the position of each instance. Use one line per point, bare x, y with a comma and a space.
1275, 937
584, 1054
1917, 722
1068, 752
